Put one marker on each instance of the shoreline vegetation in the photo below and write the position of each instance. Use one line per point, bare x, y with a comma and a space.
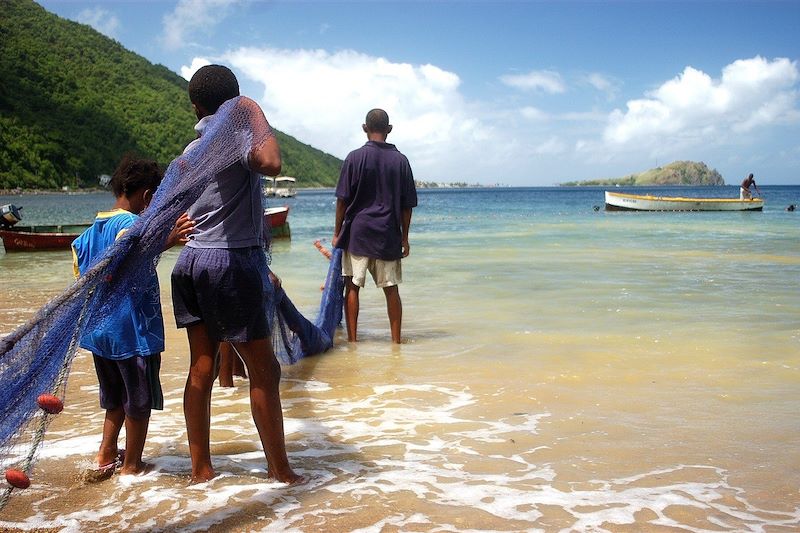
65, 121
675, 173
453, 185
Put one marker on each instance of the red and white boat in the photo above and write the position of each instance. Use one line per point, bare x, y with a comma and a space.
33, 238
276, 215
276, 218
30, 238
60, 236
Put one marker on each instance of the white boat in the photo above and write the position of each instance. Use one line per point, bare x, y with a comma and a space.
268, 185
641, 202
285, 187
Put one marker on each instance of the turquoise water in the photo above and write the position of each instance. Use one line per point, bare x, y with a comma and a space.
563, 368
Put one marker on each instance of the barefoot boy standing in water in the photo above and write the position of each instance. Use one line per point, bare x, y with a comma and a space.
127, 353
221, 289
375, 196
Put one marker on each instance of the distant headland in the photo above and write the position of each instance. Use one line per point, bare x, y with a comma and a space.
676, 173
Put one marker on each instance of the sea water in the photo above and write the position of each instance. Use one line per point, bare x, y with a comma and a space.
563, 368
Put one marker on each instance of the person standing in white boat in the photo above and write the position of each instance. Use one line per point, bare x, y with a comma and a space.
744, 190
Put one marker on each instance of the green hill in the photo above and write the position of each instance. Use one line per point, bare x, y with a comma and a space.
676, 173
311, 167
73, 101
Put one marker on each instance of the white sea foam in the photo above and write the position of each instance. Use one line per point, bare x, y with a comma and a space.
388, 448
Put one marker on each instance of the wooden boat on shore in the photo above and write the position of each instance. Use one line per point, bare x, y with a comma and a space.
34, 238
276, 217
60, 236
640, 202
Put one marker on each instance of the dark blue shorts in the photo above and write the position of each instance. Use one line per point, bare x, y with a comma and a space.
132, 383
228, 290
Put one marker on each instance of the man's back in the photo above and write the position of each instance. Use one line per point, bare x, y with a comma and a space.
376, 183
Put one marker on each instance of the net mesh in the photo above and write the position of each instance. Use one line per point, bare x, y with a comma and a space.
36, 357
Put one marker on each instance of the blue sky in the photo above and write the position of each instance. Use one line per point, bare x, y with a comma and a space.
514, 92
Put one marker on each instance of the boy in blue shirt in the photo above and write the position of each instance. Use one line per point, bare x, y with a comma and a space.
127, 353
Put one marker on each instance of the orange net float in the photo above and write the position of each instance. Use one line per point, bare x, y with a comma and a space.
50, 403
17, 478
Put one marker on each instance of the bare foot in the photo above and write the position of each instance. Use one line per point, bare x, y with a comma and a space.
298, 480
137, 470
202, 478
290, 478
104, 471
104, 460
96, 475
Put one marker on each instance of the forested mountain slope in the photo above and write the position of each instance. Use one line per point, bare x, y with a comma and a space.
73, 101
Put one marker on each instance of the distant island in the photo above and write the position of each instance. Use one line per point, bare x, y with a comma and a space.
676, 173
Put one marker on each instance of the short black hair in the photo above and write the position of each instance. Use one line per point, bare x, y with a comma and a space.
211, 86
377, 121
134, 174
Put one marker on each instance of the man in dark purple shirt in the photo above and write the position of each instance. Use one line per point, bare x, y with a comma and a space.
375, 196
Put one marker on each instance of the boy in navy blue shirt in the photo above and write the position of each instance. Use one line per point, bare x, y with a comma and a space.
375, 197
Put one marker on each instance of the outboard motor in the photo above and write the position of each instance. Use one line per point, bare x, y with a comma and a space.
9, 215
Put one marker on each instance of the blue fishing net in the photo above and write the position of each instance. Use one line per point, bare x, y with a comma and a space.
294, 336
36, 358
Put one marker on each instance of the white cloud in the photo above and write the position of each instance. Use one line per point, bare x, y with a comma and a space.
584, 116
533, 113
550, 146
197, 63
98, 18
191, 17
544, 80
322, 98
694, 107
605, 84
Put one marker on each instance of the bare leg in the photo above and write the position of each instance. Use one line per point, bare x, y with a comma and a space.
230, 364
226, 362
111, 428
238, 365
197, 400
394, 307
351, 305
265, 404
135, 435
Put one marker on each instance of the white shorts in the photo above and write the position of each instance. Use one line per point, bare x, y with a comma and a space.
744, 194
385, 273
